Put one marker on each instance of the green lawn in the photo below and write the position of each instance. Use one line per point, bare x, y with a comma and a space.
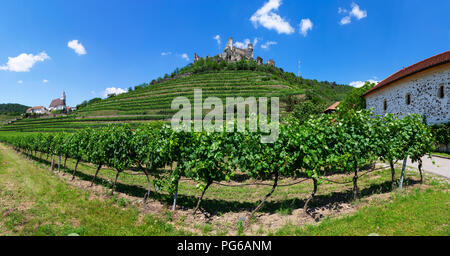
420, 213
34, 202
441, 154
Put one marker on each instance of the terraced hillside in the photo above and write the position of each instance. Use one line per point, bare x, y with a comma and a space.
153, 102
156, 100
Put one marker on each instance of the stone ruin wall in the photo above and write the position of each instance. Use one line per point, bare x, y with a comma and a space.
233, 54
423, 88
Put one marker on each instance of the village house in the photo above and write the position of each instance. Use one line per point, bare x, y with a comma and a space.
331, 109
422, 88
58, 104
37, 110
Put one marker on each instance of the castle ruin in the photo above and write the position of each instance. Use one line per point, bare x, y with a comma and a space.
234, 54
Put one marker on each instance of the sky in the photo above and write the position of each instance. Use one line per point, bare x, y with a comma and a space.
89, 48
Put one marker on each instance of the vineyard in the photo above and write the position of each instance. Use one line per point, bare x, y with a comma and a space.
346, 143
153, 102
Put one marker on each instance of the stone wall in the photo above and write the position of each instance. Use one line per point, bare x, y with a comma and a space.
423, 88
443, 148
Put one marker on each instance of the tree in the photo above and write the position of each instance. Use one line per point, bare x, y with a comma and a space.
354, 99
95, 151
389, 140
303, 111
118, 148
355, 143
150, 151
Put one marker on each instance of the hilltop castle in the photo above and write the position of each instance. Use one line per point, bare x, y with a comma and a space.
233, 54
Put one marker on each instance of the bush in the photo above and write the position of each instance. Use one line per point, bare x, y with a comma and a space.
441, 133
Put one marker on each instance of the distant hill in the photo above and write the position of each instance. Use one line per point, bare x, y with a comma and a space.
151, 102
12, 108
244, 78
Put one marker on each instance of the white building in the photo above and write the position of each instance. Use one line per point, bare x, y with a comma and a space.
58, 104
423, 88
37, 110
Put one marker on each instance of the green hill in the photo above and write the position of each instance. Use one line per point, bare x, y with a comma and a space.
11, 111
13, 108
150, 102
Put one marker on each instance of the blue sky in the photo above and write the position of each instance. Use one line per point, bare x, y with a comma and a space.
125, 43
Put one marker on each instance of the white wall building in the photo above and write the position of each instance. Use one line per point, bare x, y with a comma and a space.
37, 110
58, 104
423, 88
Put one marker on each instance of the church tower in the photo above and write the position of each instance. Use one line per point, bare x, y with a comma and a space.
63, 98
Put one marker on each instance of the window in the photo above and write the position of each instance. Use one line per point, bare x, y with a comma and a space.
441, 91
408, 99
385, 105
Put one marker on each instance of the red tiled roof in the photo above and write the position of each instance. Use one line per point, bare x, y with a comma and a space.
420, 66
332, 107
36, 108
33, 108
57, 102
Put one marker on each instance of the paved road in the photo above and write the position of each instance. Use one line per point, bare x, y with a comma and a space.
441, 166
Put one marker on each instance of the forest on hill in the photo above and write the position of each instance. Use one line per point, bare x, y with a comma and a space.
12, 109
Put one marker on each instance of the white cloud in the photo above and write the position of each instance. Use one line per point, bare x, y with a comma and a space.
342, 10
45, 81
267, 44
255, 41
355, 12
267, 18
184, 56
24, 62
217, 38
113, 90
20, 82
244, 44
358, 84
77, 47
305, 26
358, 13
346, 20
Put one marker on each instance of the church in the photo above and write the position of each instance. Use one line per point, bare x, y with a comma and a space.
58, 104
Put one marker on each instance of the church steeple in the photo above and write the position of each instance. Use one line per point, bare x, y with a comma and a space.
63, 98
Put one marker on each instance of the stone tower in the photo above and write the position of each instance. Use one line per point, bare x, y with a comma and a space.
229, 44
250, 50
196, 58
